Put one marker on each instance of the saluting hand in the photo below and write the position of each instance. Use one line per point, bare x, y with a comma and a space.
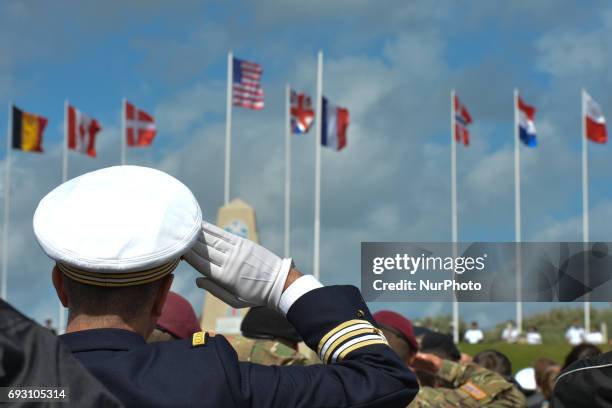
427, 362
236, 270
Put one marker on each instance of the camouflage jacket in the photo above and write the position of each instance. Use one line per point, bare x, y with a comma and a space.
469, 386
266, 352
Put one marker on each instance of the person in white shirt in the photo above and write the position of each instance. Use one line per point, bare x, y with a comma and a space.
473, 335
510, 333
533, 336
594, 337
575, 334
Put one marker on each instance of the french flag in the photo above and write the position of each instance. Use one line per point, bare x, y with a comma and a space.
526, 123
334, 124
594, 120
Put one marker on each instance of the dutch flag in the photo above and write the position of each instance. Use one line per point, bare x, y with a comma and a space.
526, 123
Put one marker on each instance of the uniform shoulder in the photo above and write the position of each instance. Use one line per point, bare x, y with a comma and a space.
586, 381
470, 385
199, 342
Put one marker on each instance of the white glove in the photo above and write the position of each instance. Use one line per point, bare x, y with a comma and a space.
236, 270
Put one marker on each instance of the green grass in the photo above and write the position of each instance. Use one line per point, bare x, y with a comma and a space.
523, 355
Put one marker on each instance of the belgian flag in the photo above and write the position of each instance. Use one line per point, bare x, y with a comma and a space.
27, 131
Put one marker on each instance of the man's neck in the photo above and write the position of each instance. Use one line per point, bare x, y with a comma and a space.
84, 322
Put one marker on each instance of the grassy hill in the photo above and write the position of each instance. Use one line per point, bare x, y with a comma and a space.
551, 325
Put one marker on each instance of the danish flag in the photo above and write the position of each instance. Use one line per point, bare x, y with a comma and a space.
140, 127
82, 131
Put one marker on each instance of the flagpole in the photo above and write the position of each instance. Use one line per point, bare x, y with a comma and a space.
62, 313
123, 132
585, 213
228, 127
7, 200
517, 217
65, 149
454, 211
317, 217
287, 170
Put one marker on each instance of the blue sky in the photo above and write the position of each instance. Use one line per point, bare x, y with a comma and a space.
392, 66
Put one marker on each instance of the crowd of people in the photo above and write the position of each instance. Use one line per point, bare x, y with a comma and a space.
130, 341
443, 371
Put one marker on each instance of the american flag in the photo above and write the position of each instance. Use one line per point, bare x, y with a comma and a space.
247, 91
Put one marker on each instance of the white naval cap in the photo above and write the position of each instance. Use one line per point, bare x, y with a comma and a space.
118, 226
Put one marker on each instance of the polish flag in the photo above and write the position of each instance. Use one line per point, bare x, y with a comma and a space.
140, 127
82, 131
594, 120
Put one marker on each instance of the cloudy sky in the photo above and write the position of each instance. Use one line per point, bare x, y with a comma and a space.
392, 66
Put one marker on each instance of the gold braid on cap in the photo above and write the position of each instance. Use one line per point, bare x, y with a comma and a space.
118, 279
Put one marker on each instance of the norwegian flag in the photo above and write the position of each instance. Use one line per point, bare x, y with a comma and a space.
140, 127
82, 131
462, 120
246, 84
302, 114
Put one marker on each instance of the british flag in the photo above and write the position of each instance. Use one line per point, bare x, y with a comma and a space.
302, 114
246, 84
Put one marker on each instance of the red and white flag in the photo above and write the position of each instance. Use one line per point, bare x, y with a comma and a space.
140, 127
594, 120
82, 131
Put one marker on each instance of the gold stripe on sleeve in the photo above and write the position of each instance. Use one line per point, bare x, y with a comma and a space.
358, 346
337, 329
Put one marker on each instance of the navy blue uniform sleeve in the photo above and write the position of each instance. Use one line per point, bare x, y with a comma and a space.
361, 369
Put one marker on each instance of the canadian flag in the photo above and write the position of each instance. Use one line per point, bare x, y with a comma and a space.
82, 131
594, 120
140, 127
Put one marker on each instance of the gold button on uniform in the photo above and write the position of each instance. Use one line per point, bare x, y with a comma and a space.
360, 313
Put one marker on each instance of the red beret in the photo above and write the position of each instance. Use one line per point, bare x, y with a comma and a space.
178, 317
399, 323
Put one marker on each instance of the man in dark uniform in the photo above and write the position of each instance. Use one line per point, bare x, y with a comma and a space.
116, 236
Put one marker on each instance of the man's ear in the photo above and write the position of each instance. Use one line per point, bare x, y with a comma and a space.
162, 293
58, 283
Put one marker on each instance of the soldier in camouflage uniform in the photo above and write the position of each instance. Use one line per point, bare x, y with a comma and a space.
267, 338
468, 386
460, 385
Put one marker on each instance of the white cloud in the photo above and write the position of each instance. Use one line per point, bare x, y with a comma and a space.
572, 53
